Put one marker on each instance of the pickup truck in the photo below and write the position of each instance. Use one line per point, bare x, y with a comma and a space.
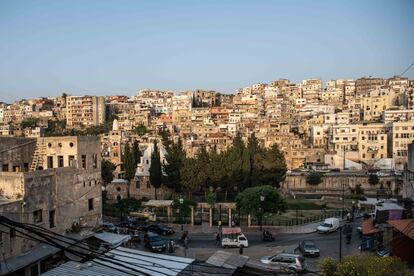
233, 237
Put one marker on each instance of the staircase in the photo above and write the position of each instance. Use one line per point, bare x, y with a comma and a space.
38, 155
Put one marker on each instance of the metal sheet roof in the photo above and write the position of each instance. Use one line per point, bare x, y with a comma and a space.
145, 262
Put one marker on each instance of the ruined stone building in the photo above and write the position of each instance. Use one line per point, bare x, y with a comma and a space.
52, 182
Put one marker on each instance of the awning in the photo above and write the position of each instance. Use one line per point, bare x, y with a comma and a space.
405, 226
114, 240
368, 227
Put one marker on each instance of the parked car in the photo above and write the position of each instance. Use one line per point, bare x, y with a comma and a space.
309, 249
329, 225
154, 242
384, 253
130, 225
160, 229
292, 262
109, 227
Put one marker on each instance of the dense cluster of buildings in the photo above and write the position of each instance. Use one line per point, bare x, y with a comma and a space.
346, 128
368, 121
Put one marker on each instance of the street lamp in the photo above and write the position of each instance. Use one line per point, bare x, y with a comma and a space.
181, 206
262, 199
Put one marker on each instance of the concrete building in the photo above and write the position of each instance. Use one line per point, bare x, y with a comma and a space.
372, 143
365, 84
400, 134
62, 196
85, 111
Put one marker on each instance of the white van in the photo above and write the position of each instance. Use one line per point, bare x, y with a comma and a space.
233, 237
329, 225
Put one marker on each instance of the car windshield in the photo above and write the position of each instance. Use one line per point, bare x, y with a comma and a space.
326, 224
155, 239
310, 246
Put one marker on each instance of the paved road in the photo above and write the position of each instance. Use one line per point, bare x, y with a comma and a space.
202, 245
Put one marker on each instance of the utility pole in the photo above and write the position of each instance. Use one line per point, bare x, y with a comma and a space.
343, 188
340, 244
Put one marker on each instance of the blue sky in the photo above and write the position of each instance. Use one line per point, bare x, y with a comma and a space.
108, 47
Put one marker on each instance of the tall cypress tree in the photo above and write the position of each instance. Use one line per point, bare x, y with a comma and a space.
155, 169
136, 153
128, 162
174, 161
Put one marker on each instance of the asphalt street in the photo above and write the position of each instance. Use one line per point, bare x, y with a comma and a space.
202, 245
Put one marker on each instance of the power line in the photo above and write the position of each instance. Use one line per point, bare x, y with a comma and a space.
105, 257
51, 242
406, 70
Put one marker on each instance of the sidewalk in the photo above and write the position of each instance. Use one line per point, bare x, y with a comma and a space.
297, 229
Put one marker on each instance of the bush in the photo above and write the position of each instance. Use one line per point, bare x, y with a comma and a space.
314, 178
364, 265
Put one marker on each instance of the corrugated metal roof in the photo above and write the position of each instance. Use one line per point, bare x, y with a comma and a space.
405, 226
145, 262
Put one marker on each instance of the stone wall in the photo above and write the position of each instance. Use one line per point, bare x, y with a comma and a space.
334, 181
64, 191
16, 153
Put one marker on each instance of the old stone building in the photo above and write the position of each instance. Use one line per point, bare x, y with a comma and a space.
52, 182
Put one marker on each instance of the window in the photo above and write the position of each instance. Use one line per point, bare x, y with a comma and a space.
26, 167
60, 161
95, 161
147, 161
137, 184
12, 233
50, 162
71, 160
5, 167
83, 161
37, 216
363, 155
52, 219
90, 204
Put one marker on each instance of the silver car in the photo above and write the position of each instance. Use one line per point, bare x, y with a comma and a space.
286, 261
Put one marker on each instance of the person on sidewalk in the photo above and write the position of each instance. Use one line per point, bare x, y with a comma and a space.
186, 242
241, 250
217, 239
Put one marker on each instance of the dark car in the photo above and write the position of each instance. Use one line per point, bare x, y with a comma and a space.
133, 225
109, 227
309, 249
154, 242
160, 229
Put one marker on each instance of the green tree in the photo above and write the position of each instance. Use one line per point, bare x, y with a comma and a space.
359, 190
174, 161
314, 178
155, 169
189, 173
234, 162
127, 205
107, 170
373, 179
136, 153
269, 168
29, 122
128, 163
249, 201
364, 265
140, 130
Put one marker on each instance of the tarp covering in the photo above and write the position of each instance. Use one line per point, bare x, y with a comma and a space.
368, 227
113, 239
234, 230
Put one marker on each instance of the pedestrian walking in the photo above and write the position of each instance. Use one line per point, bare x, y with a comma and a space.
241, 250
186, 242
217, 239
